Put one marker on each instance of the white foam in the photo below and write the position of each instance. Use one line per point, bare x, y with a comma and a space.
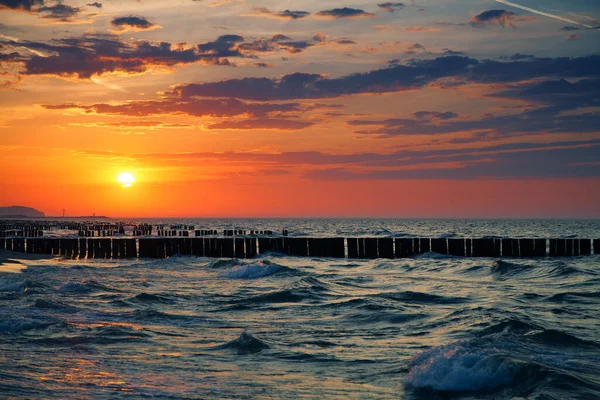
458, 368
252, 271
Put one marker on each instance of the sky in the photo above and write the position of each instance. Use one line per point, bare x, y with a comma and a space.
243, 108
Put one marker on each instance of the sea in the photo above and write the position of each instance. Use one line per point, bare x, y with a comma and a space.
282, 327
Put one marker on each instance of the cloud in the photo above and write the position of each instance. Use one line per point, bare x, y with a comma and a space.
133, 23
263, 115
391, 7
265, 123
573, 37
20, 4
418, 73
504, 18
90, 54
426, 29
345, 12
95, 4
99, 54
435, 115
570, 28
59, 12
286, 14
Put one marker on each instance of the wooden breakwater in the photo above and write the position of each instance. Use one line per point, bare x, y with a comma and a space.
250, 247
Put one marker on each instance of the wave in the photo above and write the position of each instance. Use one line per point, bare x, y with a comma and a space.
151, 298
383, 317
504, 268
16, 287
74, 287
458, 368
106, 334
53, 305
12, 324
280, 296
255, 270
245, 343
422, 298
573, 297
512, 354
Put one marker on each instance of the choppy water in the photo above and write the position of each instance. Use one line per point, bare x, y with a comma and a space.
284, 327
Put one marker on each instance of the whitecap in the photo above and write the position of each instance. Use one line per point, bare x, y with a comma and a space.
458, 368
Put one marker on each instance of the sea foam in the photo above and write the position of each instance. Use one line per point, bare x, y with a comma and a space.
457, 368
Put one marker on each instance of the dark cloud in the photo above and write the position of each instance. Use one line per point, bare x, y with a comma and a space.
417, 73
263, 115
570, 28
501, 17
20, 4
344, 13
450, 52
262, 65
286, 14
264, 123
137, 23
59, 11
95, 4
300, 85
391, 7
98, 54
512, 161
194, 108
518, 57
224, 46
435, 115
550, 111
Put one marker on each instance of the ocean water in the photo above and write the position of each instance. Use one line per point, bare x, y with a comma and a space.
428, 327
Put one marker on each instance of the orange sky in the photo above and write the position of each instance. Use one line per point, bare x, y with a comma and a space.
221, 109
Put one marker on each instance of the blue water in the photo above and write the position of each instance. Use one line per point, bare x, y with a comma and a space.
428, 327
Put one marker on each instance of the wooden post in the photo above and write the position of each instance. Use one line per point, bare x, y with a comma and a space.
424, 245
386, 247
251, 247
569, 243
526, 247
404, 247
371, 248
596, 246
227, 247
585, 247
539, 247
456, 247
197, 246
485, 248
240, 251
439, 245
352, 247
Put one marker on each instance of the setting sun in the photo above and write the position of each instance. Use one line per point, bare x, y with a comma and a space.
126, 179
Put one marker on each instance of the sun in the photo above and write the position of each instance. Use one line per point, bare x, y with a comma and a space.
126, 179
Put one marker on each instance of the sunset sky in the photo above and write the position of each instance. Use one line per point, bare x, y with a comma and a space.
447, 108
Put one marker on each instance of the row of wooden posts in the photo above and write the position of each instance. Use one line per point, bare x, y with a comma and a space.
249, 247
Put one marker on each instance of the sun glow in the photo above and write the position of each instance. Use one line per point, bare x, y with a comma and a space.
126, 179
